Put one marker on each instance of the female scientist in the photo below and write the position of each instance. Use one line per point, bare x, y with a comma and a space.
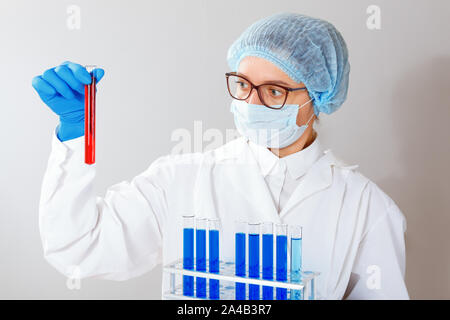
285, 70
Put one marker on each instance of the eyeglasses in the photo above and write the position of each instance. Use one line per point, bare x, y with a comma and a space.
272, 95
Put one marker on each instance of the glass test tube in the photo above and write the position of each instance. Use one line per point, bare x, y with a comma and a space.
200, 256
253, 259
267, 258
188, 254
89, 118
296, 259
240, 235
281, 259
214, 227
312, 293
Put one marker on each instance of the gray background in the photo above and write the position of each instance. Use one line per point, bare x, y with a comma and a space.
394, 124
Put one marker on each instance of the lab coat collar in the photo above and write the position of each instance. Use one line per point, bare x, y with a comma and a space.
318, 177
297, 163
241, 174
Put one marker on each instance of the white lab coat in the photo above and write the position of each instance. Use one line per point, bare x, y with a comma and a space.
353, 233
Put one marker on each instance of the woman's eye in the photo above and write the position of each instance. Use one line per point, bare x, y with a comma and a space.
242, 85
276, 93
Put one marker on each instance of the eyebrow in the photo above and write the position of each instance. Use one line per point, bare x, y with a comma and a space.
271, 81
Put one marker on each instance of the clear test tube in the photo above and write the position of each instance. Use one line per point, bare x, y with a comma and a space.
281, 259
312, 295
240, 253
200, 256
213, 229
312, 288
188, 253
267, 258
253, 259
296, 259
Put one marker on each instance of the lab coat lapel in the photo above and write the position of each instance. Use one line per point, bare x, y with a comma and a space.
234, 173
318, 177
248, 180
230, 186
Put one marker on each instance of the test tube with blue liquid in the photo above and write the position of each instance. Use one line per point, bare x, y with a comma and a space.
281, 259
267, 258
296, 260
200, 256
253, 259
188, 254
240, 253
214, 227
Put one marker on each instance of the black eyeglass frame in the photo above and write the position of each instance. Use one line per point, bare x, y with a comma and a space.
288, 89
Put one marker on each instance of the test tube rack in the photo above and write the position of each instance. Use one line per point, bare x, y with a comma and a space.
228, 280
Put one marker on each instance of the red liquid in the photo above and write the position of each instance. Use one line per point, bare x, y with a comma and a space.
89, 122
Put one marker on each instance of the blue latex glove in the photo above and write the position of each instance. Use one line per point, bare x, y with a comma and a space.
62, 89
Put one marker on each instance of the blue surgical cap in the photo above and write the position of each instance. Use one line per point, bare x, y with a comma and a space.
307, 49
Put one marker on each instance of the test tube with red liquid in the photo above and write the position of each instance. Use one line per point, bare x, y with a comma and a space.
89, 118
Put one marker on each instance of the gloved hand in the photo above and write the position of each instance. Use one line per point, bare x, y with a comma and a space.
62, 89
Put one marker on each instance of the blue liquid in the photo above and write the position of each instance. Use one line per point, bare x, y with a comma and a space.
188, 260
267, 265
214, 263
253, 263
240, 265
200, 259
281, 265
296, 266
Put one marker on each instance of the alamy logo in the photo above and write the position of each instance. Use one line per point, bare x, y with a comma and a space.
73, 21
74, 280
373, 281
374, 19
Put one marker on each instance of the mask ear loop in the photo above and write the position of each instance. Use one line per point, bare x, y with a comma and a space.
307, 122
305, 103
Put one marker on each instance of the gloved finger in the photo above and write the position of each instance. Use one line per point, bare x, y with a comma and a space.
79, 72
59, 84
43, 88
66, 74
98, 74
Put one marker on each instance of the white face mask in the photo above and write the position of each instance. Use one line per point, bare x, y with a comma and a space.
272, 128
